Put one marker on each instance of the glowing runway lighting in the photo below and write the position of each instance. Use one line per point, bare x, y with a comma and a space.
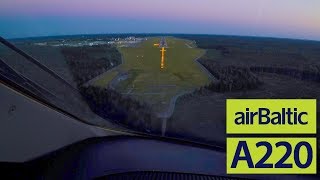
162, 57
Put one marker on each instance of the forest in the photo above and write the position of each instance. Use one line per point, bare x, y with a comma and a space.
123, 110
87, 62
230, 78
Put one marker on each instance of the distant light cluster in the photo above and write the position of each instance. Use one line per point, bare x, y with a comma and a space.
120, 42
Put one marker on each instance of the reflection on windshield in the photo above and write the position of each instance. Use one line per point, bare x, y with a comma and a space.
57, 89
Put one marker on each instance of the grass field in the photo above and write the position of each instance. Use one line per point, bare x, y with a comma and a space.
157, 86
103, 81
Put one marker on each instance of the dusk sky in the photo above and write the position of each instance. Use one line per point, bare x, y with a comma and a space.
273, 18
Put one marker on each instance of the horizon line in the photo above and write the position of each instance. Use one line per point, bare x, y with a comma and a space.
158, 33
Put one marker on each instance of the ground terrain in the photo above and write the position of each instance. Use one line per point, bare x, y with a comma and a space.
286, 69
140, 74
201, 115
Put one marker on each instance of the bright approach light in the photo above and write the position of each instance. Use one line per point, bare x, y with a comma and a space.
162, 57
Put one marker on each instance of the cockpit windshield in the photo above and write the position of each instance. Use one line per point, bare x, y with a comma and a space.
162, 68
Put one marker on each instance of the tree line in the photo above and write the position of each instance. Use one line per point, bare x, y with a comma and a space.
121, 109
87, 62
230, 78
301, 74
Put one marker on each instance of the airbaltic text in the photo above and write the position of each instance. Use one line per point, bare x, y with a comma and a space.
264, 116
